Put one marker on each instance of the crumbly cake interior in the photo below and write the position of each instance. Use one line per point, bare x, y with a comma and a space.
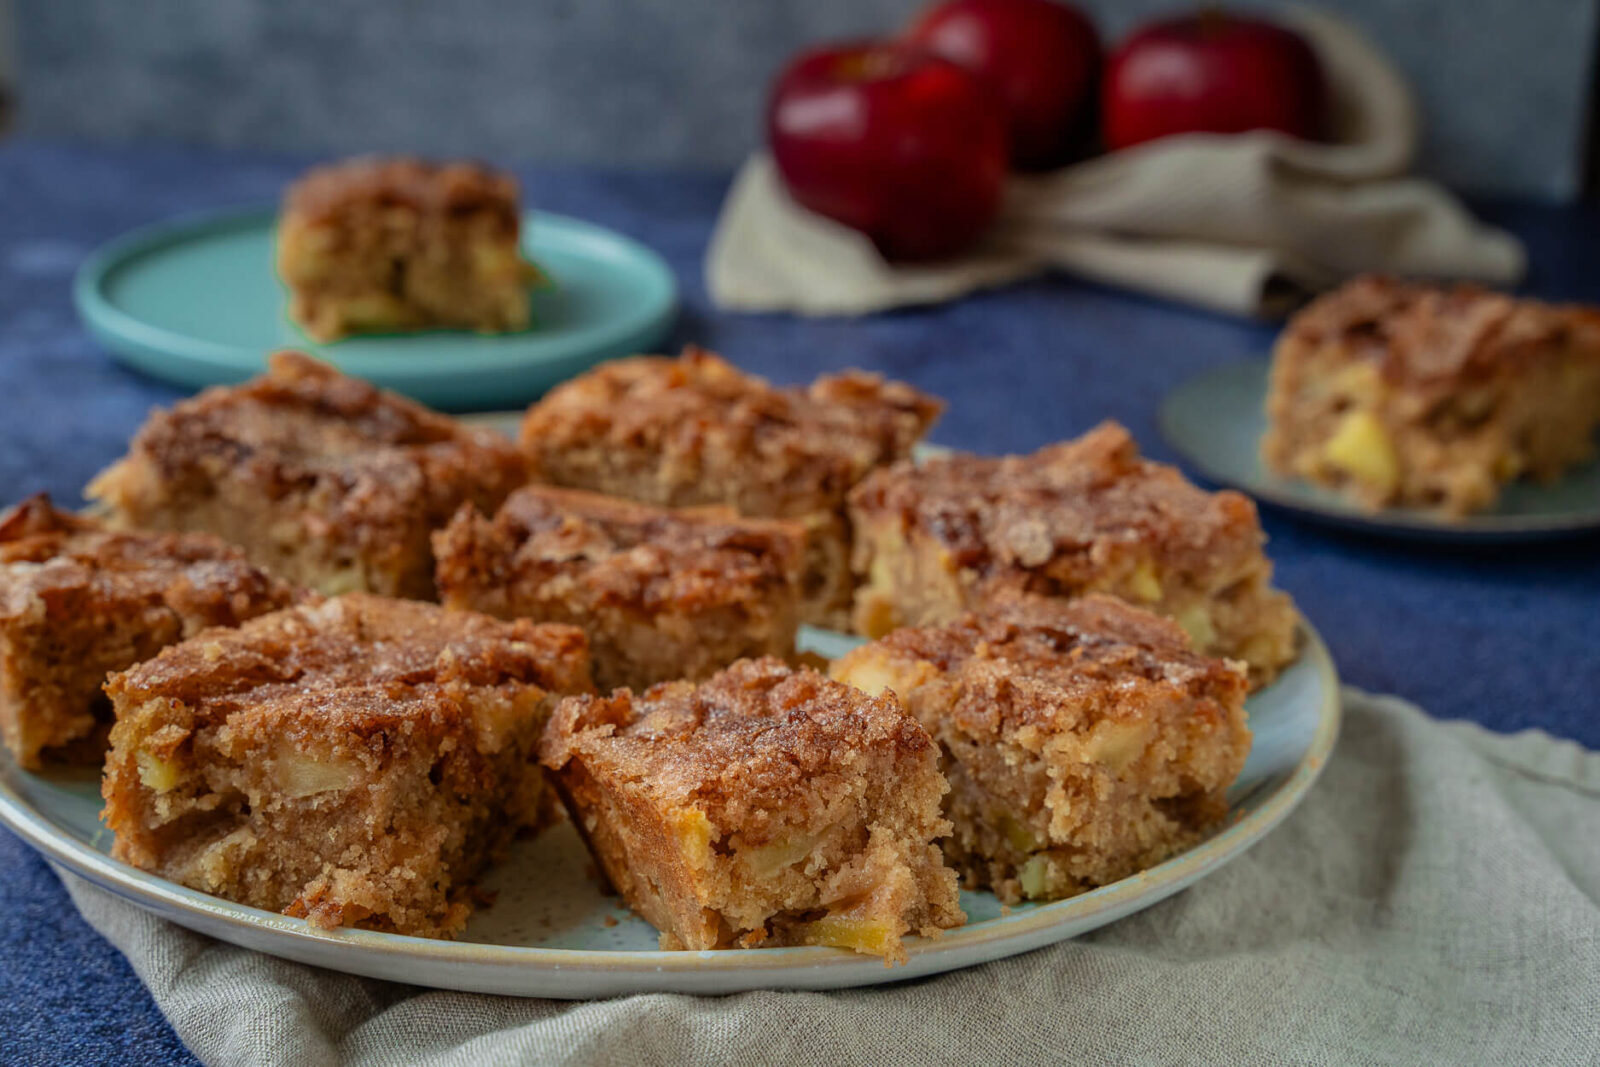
954, 533
766, 806
358, 761
323, 479
1403, 394
378, 245
695, 430
1084, 741
662, 593
79, 601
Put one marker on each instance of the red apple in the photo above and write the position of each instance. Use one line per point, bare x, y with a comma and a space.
1212, 73
893, 141
1042, 57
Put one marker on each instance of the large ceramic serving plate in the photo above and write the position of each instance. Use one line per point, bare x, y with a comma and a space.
1216, 422
196, 302
552, 933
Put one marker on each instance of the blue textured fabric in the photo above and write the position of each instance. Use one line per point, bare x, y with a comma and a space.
1505, 636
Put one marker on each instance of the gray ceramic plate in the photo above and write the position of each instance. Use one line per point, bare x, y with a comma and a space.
1216, 422
552, 933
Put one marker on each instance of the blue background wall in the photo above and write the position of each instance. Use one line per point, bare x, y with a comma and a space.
676, 82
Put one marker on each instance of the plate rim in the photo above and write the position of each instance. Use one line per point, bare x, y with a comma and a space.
748, 968
136, 341
1400, 523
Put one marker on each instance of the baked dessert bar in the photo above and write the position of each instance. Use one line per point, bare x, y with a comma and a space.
1083, 739
1399, 394
323, 479
355, 762
662, 593
381, 245
765, 806
1088, 515
78, 601
695, 430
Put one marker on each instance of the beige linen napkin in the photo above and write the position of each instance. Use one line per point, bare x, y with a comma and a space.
1436, 899
1236, 224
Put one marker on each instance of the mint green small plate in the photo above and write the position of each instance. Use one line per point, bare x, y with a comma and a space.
196, 302
1216, 421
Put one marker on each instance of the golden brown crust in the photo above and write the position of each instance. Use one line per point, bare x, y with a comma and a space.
758, 734
696, 430
1435, 336
1062, 663
1059, 512
78, 600
322, 477
360, 657
423, 185
620, 553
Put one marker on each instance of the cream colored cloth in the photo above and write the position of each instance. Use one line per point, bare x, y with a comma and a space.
1234, 224
1435, 900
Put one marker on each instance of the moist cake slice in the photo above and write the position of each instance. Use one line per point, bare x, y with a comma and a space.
1435, 398
78, 601
375, 245
696, 430
662, 593
1084, 740
324, 479
952, 534
765, 806
356, 762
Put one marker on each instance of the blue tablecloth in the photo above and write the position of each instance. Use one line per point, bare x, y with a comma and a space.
1505, 636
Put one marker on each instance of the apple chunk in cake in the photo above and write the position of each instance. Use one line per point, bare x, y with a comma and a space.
324, 479
765, 806
662, 593
1399, 394
358, 761
1084, 740
382, 245
696, 430
1090, 515
79, 601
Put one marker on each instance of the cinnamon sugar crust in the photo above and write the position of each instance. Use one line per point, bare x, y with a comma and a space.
1084, 740
765, 806
1400, 394
323, 478
79, 600
422, 185
695, 430
956, 532
1424, 335
662, 593
357, 761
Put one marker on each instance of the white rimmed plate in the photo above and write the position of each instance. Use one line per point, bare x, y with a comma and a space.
551, 932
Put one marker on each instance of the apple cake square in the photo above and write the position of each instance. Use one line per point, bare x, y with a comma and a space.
662, 593
763, 806
357, 761
1084, 739
1401, 394
324, 479
79, 601
378, 245
951, 534
695, 430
